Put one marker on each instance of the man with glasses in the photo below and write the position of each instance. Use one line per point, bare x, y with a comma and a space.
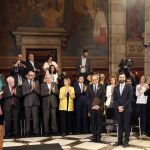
96, 97
31, 92
123, 94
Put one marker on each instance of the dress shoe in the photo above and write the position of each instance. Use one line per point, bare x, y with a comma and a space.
63, 134
126, 144
98, 141
70, 133
16, 136
93, 140
118, 144
54, 133
46, 135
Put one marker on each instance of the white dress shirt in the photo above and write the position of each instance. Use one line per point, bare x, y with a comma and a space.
121, 87
54, 77
49, 86
109, 94
81, 87
95, 87
46, 66
83, 63
141, 98
32, 62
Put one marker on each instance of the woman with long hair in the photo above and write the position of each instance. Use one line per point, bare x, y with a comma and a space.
48, 63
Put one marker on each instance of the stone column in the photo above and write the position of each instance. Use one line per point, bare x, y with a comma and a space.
147, 40
117, 34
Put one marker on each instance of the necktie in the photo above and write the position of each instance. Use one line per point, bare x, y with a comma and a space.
121, 89
95, 90
19, 80
81, 88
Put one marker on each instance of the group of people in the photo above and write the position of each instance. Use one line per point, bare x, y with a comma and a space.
53, 103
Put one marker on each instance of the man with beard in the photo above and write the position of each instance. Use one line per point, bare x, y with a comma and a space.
123, 95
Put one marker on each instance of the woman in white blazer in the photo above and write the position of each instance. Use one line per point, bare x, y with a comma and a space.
141, 102
110, 110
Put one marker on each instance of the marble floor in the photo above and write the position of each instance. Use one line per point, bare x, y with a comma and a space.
81, 142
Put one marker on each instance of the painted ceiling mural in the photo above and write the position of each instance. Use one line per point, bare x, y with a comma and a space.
135, 19
85, 20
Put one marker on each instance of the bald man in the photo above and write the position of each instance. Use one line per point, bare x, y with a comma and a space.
11, 107
96, 97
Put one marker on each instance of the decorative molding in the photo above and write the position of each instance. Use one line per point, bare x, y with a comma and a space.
39, 37
135, 48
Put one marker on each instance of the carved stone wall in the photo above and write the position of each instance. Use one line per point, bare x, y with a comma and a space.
44, 38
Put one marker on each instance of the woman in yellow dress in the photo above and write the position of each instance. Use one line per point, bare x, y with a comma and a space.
66, 106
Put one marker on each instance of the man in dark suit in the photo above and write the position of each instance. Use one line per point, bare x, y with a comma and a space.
31, 64
134, 116
31, 92
18, 70
96, 97
11, 107
81, 105
123, 95
84, 65
49, 92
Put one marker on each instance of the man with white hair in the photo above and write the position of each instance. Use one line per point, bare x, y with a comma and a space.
11, 107
49, 92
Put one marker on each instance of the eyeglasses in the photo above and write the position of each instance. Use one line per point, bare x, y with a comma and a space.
31, 75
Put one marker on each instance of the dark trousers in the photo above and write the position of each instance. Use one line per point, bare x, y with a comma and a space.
134, 114
82, 119
123, 119
32, 111
9, 116
96, 118
141, 109
66, 121
49, 115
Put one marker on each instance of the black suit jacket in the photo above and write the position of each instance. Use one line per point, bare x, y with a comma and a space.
100, 94
49, 100
124, 99
80, 98
20, 70
31, 97
8, 98
30, 67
